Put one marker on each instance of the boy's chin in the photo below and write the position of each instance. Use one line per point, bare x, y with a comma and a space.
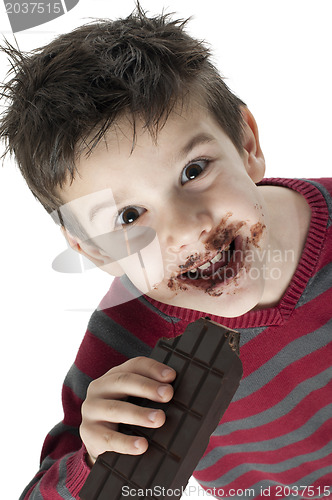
217, 306
231, 303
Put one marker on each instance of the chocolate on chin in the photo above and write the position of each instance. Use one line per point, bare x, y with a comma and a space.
209, 371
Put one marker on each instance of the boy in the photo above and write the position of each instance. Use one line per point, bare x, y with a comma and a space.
129, 137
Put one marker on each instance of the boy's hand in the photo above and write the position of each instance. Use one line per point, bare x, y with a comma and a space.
104, 408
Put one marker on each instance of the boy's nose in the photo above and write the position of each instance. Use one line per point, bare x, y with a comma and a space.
185, 225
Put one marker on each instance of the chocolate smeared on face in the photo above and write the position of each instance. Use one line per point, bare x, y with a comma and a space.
222, 261
190, 262
175, 285
223, 234
256, 233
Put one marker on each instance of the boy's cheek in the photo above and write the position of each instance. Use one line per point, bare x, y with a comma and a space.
145, 268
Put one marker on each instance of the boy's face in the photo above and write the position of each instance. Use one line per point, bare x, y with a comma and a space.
195, 192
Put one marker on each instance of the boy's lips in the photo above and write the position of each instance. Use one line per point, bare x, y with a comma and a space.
210, 272
214, 260
225, 257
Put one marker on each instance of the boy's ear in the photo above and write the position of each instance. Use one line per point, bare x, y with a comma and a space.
254, 158
94, 254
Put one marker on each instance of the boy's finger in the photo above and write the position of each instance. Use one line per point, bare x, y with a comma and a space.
120, 384
147, 367
101, 438
117, 411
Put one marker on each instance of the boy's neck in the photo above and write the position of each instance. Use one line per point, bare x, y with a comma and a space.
288, 230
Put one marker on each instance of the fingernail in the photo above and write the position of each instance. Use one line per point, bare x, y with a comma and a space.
162, 390
153, 416
166, 372
139, 444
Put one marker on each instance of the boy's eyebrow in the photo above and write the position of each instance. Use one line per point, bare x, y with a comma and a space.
198, 139
103, 204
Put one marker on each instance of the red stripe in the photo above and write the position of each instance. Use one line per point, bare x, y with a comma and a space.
95, 357
72, 404
49, 482
325, 480
58, 446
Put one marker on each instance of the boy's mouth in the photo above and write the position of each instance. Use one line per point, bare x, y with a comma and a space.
220, 266
225, 257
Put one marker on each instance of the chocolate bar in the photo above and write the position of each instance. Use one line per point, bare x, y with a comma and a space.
209, 371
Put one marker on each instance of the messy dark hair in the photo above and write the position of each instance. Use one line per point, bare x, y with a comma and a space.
83, 81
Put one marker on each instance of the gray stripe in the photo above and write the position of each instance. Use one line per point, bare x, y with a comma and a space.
60, 428
303, 432
292, 352
137, 294
270, 445
166, 317
77, 381
292, 399
319, 283
47, 463
247, 334
61, 488
326, 195
116, 336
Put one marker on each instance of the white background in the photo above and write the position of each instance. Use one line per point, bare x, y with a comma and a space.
276, 56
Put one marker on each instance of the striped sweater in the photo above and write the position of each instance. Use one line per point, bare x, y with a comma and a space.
275, 439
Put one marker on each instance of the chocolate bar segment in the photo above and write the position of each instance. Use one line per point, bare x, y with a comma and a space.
209, 371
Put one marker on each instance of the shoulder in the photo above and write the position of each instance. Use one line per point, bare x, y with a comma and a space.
324, 184
115, 333
124, 308
323, 181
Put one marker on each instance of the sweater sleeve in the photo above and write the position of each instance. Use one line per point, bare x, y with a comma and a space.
118, 330
63, 467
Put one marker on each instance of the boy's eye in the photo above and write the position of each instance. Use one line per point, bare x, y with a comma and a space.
193, 170
129, 215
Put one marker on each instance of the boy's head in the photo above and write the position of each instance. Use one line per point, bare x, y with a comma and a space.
67, 94
115, 111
